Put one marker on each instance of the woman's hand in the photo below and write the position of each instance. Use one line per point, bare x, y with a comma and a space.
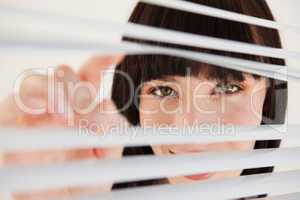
68, 101
66, 95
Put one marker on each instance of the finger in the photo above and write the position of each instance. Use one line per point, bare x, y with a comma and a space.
102, 119
107, 115
92, 69
58, 156
47, 157
30, 106
46, 95
59, 95
35, 86
63, 193
1, 159
77, 95
38, 85
65, 74
31, 98
84, 96
22, 114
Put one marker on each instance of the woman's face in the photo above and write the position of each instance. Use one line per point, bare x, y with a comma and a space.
178, 101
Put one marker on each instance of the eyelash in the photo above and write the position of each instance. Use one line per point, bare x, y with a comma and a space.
224, 90
154, 91
222, 86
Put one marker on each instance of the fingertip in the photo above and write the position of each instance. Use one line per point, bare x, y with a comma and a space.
91, 70
65, 73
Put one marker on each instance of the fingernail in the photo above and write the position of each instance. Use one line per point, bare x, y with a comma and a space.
33, 103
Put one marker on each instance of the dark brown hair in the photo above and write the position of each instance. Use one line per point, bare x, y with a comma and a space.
143, 68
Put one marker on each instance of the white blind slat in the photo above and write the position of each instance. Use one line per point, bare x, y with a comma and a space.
293, 196
139, 168
268, 70
39, 139
234, 188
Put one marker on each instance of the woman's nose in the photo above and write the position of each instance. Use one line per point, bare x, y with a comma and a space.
198, 114
195, 118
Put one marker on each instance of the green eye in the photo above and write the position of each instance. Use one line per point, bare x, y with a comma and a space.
164, 91
226, 88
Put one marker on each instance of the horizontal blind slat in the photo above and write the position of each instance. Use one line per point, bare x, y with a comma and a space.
38, 139
232, 188
139, 168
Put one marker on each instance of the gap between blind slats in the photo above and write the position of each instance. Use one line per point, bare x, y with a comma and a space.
233, 188
293, 196
94, 28
42, 139
92, 172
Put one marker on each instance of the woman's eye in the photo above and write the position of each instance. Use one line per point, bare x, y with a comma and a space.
227, 88
164, 91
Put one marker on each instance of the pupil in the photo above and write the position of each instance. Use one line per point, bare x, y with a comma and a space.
166, 91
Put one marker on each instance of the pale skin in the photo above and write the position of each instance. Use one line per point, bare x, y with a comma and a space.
169, 101
179, 101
